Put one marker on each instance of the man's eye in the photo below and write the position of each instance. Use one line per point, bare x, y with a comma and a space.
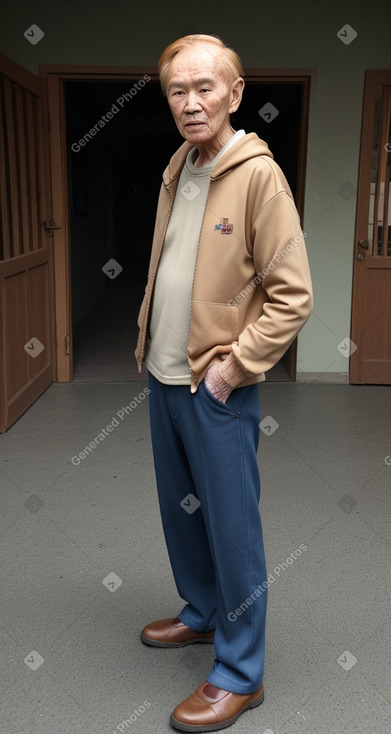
205, 90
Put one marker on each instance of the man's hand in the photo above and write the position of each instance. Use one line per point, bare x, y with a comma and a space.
216, 385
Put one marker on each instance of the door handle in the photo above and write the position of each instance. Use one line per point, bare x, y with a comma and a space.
364, 244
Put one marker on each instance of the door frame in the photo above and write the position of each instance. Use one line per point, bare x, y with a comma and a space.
374, 78
56, 76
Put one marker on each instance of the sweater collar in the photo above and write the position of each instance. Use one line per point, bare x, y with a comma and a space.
246, 147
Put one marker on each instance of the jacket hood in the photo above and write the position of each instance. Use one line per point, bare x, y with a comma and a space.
247, 147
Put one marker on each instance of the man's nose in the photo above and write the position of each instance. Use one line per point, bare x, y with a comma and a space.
192, 103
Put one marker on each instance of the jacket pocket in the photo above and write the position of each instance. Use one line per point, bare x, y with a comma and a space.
212, 324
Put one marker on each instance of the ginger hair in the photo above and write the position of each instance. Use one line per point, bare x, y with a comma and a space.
229, 59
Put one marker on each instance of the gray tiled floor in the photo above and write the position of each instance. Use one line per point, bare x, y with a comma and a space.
65, 528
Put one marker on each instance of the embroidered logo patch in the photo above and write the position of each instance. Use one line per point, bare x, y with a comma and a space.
225, 226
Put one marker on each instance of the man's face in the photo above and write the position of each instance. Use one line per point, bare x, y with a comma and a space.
201, 97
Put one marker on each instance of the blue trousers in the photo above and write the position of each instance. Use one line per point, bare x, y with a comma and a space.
205, 456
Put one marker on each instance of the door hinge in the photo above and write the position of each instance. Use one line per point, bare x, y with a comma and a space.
50, 226
67, 345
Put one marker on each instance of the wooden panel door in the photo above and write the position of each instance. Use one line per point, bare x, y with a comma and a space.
26, 281
370, 360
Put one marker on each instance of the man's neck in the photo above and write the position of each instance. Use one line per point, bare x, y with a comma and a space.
206, 153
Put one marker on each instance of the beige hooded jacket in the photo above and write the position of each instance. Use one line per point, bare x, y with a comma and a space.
252, 289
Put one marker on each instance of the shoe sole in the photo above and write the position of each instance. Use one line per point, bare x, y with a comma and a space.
157, 643
215, 727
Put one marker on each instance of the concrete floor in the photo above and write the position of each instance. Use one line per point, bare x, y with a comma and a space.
84, 566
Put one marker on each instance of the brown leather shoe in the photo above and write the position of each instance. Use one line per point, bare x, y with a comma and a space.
172, 633
210, 708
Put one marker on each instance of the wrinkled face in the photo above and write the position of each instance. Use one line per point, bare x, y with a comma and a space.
201, 96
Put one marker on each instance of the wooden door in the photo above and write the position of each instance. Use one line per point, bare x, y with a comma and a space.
370, 348
26, 297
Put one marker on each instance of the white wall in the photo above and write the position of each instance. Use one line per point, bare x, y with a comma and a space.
282, 34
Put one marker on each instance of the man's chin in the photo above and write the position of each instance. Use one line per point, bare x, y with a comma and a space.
194, 135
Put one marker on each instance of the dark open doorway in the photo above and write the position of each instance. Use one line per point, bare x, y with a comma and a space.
114, 179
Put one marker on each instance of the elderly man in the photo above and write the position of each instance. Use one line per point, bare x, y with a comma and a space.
228, 290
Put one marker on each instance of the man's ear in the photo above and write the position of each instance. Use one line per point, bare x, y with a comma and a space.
236, 94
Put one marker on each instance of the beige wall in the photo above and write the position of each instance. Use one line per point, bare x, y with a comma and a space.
266, 35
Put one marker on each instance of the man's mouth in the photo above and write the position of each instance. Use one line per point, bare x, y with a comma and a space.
194, 123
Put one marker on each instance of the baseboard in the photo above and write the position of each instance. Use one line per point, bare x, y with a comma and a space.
332, 378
